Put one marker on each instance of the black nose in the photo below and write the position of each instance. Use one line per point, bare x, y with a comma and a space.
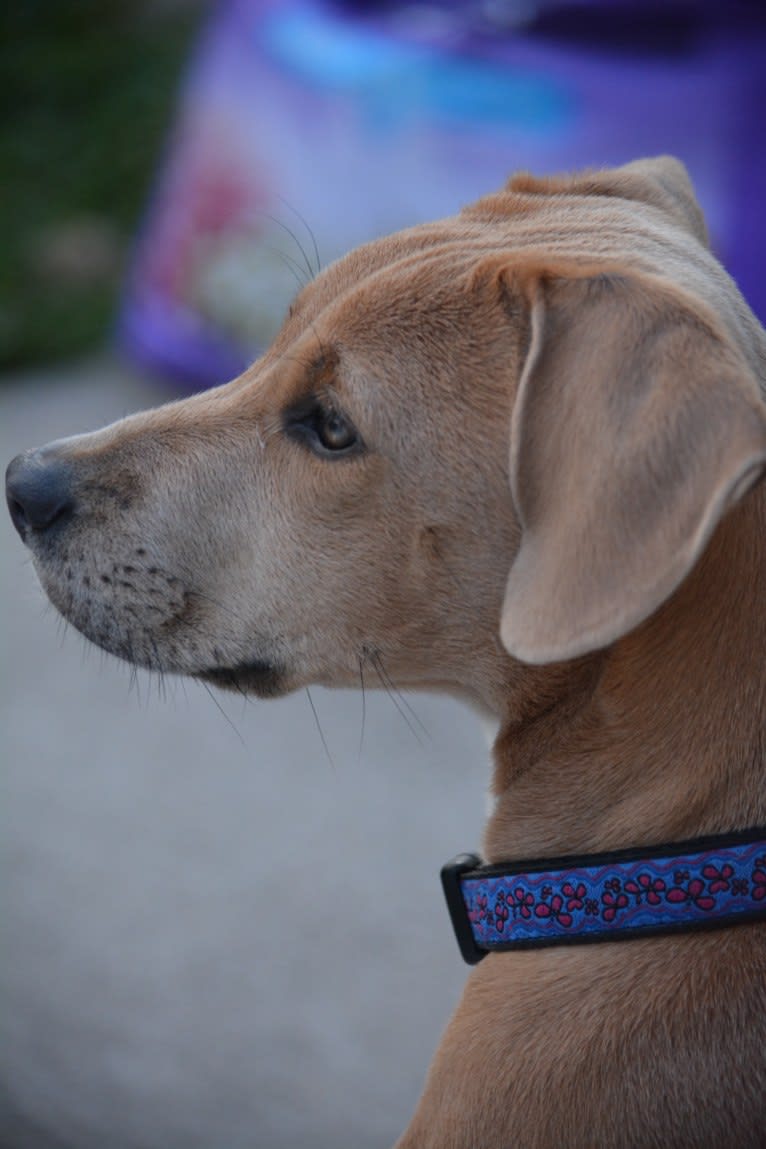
38, 488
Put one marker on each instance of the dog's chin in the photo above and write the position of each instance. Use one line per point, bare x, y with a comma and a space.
260, 678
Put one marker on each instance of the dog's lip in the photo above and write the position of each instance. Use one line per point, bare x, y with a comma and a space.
258, 675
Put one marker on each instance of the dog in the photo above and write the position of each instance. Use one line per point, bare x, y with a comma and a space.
513, 455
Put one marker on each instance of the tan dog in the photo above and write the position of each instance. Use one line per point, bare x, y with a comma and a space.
512, 455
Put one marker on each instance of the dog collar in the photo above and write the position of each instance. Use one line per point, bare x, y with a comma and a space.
705, 883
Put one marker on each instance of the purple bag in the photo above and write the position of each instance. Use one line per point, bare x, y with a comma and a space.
359, 119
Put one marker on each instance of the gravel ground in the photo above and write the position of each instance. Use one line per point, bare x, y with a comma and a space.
214, 937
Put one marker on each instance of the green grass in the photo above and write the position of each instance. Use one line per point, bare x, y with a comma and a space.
88, 89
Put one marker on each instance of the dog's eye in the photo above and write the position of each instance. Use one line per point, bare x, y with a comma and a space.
324, 429
334, 432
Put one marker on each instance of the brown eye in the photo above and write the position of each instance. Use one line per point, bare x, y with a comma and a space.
334, 432
323, 429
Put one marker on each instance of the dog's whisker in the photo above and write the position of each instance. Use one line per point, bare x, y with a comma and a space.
156, 678
222, 711
134, 684
403, 699
398, 700
364, 706
289, 231
233, 683
291, 264
161, 690
61, 630
323, 740
309, 229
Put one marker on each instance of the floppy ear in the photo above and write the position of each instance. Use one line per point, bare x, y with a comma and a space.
636, 426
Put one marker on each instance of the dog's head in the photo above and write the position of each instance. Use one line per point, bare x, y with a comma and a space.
505, 436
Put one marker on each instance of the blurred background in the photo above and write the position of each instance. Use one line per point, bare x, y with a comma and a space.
175, 970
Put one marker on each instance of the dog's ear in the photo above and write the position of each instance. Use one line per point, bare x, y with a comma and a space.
662, 182
637, 424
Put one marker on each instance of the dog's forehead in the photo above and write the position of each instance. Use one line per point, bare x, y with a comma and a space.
413, 260
409, 246
402, 308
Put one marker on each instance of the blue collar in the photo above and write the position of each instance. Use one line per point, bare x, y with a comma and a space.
706, 883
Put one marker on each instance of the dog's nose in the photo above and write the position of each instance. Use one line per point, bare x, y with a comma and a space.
38, 488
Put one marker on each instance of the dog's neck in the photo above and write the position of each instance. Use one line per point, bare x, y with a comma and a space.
660, 738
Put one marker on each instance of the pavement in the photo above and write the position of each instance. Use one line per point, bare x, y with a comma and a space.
214, 936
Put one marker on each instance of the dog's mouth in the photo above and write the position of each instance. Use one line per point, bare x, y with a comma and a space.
150, 618
257, 677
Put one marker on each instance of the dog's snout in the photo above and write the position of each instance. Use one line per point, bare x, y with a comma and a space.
39, 490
